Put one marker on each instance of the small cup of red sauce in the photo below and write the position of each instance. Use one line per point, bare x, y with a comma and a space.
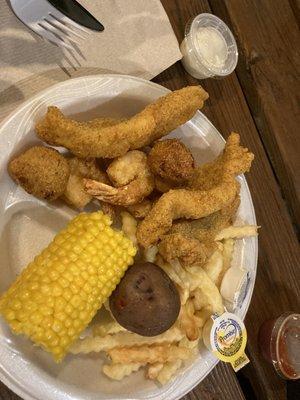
279, 342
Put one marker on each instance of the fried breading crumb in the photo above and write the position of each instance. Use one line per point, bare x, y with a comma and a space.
171, 160
41, 171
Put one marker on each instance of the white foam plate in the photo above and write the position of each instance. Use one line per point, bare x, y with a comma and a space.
27, 225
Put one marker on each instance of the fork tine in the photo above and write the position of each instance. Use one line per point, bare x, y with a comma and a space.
44, 34
76, 27
52, 37
60, 25
61, 31
73, 56
71, 25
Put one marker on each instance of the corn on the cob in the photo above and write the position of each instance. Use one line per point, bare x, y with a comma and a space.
58, 294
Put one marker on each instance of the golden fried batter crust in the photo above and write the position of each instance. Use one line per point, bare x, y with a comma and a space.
132, 179
171, 160
80, 168
140, 210
234, 160
215, 188
205, 229
155, 121
41, 171
184, 203
188, 250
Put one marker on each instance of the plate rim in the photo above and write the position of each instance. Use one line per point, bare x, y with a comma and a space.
13, 384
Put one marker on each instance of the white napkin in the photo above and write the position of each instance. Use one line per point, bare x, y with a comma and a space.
138, 40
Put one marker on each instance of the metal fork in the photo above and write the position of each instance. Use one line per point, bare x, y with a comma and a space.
49, 23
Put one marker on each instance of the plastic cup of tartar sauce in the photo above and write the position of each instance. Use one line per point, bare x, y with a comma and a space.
209, 48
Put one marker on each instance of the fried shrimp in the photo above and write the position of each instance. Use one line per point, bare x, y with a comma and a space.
171, 160
234, 160
109, 141
132, 179
47, 174
198, 203
80, 168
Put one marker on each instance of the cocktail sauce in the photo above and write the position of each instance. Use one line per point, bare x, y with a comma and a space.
279, 342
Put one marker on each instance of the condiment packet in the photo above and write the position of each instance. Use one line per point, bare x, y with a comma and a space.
226, 337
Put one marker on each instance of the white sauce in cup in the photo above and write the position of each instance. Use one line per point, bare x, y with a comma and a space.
209, 48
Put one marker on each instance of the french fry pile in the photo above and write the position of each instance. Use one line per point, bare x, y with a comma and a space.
165, 354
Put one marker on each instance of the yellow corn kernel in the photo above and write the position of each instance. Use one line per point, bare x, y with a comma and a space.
58, 294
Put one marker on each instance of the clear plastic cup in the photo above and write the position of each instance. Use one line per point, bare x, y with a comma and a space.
194, 60
279, 343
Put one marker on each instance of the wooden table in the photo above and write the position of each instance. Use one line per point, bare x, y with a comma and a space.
259, 102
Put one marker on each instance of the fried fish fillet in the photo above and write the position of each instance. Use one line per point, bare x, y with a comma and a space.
193, 242
186, 249
212, 188
155, 121
205, 229
184, 203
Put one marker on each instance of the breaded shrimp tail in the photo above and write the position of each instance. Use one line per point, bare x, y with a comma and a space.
112, 140
234, 160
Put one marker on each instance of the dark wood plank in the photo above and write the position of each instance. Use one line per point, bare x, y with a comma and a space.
6, 394
268, 70
278, 278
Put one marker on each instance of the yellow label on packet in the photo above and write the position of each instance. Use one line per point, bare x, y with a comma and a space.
228, 338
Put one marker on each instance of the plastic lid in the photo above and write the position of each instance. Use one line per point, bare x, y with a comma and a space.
285, 351
279, 343
211, 21
234, 287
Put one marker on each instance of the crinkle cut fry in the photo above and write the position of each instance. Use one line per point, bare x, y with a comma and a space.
120, 371
122, 339
148, 354
183, 203
155, 121
168, 371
